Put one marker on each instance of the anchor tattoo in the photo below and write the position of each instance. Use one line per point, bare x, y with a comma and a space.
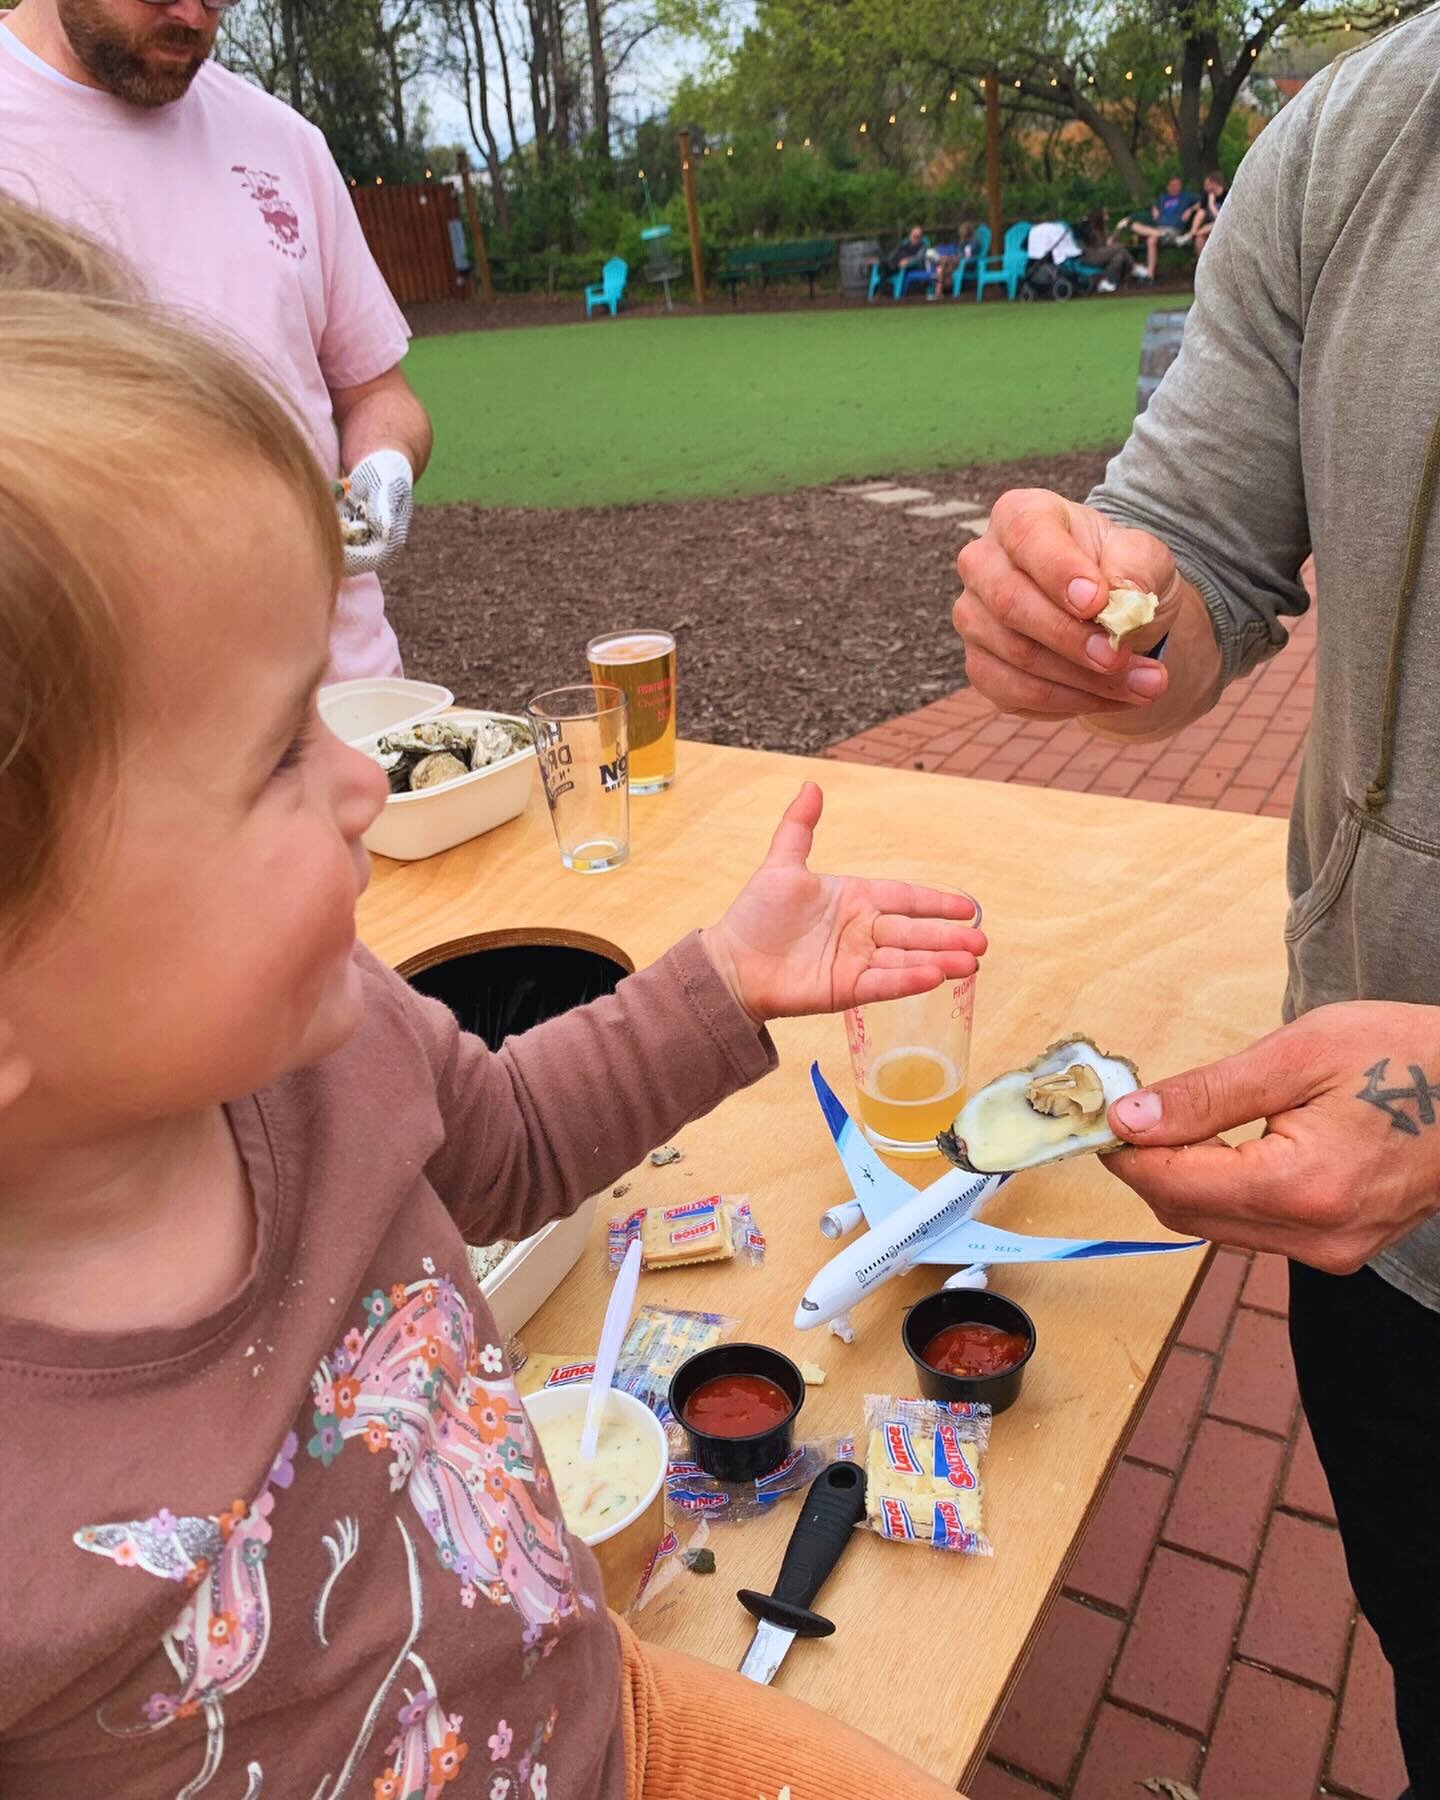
1422, 1094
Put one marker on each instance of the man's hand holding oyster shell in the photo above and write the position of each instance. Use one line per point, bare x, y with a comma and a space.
1051, 629
1350, 1160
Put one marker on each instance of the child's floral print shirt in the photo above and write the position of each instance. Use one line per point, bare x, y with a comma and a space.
308, 1546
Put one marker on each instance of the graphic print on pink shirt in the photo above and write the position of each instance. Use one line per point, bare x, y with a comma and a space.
411, 1383
277, 212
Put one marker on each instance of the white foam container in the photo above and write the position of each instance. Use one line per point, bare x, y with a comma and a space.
413, 826
518, 1287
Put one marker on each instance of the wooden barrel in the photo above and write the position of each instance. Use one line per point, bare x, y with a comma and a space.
1158, 349
855, 261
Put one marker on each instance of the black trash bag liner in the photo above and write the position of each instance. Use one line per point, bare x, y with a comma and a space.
495, 993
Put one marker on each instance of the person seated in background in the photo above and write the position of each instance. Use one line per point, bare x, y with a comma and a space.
942, 260
1099, 248
1166, 224
1206, 210
909, 253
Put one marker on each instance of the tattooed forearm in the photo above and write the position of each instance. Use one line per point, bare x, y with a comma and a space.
1396, 1102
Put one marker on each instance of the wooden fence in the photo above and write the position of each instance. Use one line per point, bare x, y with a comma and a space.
407, 226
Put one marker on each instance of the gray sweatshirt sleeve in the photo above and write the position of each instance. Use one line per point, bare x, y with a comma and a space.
1213, 465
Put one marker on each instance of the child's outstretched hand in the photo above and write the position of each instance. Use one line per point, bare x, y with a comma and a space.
794, 942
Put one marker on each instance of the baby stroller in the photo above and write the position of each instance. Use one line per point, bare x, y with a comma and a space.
1042, 280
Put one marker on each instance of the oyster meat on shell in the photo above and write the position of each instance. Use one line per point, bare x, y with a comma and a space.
1053, 1109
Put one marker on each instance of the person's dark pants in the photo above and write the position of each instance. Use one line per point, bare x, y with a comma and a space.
1368, 1361
1114, 264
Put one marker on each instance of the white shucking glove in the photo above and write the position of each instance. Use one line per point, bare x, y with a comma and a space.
381, 488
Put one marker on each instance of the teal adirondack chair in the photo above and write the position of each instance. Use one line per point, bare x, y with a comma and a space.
1007, 269
970, 268
610, 289
898, 283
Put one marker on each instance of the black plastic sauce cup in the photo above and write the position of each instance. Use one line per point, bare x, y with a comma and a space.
967, 1306
738, 1458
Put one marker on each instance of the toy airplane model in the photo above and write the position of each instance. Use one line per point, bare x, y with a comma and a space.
937, 1224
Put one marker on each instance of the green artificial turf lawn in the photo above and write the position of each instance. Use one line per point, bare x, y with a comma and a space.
690, 408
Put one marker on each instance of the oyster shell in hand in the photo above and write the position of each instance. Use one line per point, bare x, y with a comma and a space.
1128, 609
1054, 1108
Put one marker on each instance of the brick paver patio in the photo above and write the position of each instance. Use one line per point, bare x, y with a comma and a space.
1244, 756
1206, 1633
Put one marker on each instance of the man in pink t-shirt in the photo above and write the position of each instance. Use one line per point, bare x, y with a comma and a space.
114, 118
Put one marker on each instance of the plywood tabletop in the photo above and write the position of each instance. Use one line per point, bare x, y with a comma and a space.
1155, 930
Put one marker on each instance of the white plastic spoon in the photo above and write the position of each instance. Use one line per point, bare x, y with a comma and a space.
612, 1333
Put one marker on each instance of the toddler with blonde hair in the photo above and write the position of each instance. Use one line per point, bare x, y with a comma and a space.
275, 1521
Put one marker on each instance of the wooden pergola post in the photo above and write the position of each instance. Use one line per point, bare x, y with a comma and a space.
477, 236
692, 213
992, 158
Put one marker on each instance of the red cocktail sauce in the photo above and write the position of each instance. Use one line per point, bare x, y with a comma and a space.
736, 1406
972, 1350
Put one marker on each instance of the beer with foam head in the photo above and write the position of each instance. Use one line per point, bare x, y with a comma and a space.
642, 665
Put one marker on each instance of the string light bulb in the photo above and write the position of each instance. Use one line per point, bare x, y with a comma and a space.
1017, 84
379, 181
640, 175
729, 149
892, 118
924, 107
1253, 52
1129, 74
807, 143
779, 143
1209, 62
1169, 69
863, 126
1054, 82
954, 95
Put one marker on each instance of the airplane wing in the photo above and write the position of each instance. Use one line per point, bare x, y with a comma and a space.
878, 1189
973, 1242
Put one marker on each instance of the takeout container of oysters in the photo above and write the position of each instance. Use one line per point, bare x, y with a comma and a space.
938, 1316
461, 802
742, 1384
625, 1549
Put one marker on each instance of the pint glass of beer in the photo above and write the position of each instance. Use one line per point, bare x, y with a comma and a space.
911, 1063
642, 665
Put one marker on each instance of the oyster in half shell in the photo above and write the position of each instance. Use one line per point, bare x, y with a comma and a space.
1054, 1108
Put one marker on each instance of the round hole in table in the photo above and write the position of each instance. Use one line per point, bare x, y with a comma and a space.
500, 983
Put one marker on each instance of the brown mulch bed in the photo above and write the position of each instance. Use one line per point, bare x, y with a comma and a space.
801, 618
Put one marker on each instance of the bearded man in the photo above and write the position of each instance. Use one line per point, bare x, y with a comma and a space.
228, 205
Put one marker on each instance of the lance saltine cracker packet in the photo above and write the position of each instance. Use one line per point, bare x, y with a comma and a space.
715, 1229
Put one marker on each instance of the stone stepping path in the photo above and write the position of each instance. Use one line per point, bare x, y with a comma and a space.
920, 503
975, 517
896, 496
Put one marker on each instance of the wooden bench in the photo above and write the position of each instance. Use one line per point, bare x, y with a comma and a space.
763, 262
